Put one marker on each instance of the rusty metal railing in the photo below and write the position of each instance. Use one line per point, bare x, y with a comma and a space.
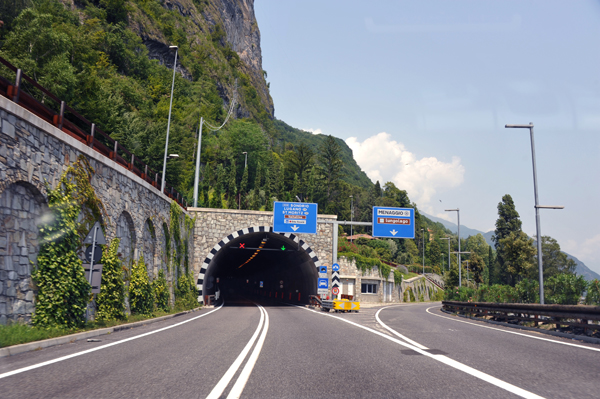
72, 123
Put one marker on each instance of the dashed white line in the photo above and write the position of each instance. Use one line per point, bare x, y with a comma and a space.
443, 359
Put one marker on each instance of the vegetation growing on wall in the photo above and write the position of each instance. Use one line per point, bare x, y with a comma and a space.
161, 291
110, 302
141, 297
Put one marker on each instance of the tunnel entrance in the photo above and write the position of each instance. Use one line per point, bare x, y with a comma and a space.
257, 263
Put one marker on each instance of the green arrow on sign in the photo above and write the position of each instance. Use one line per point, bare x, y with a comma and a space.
283, 248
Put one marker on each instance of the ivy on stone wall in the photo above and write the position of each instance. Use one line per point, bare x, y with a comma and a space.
185, 292
111, 299
161, 291
364, 264
141, 297
62, 290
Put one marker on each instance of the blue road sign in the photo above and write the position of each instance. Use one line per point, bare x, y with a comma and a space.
323, 283
295, 217
322, 269
393, 222
335, 267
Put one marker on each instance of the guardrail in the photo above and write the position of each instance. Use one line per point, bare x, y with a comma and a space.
72, 123
434, 282
579, 316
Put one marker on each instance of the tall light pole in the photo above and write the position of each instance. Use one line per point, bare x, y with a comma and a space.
447, 239
245, 159
351, 217
162, 186
423, 245
457, 210
537, 208
197, 176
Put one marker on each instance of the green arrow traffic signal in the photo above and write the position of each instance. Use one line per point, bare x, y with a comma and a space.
283, 248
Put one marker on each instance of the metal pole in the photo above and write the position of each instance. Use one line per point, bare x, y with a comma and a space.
162, 186
351, 217
459, 264
91, 266
449, 259
197, 177
423, 245
537, 218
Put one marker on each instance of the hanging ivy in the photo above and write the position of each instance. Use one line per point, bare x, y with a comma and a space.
141, 297
161, 291
111, 299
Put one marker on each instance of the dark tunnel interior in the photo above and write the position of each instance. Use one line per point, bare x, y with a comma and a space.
262, 265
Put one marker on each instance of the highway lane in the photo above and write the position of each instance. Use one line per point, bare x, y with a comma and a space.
548, 366
307, 354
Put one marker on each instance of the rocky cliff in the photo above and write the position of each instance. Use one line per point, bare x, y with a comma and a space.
206, 32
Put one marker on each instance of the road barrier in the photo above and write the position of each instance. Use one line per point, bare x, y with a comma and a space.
72, 123
578, 316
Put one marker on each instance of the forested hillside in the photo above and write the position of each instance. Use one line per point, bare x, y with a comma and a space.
110, 60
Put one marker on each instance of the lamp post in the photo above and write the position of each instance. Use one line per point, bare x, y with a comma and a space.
197, 176
457, 210
423, 245
351, 217
447, 239
245, 159
537, 208
162, 186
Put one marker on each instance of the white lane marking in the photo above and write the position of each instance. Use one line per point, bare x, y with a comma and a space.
222, 384
418, 345
444, 359
60, 359
237, 389
513, 332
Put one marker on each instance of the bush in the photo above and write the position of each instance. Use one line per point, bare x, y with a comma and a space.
593, 293
161, 291
141, 297
111, 299
185, 293
565, 289
461, 294
528, 291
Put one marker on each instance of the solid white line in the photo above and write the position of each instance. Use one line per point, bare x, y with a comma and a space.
418, 345
222, 384
512, 332
444, 359
60, 359
237, 389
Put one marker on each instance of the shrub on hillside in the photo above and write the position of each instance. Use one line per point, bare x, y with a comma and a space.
593, 293
565, 289
141, 297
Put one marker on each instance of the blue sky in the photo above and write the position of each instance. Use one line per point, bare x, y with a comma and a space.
421, 91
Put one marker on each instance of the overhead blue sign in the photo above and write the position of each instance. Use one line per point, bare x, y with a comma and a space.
295, 217
335, 267
393, 222
323, 283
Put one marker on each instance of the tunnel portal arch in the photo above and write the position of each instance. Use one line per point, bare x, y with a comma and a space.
304, 259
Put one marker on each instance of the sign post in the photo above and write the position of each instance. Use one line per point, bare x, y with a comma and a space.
295, 217
335, 280
94, 237
393, 222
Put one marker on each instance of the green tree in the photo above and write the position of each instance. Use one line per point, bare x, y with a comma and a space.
476, 268
517, 252
564, 288
554, 260
243, 189
232, 187
508, 222
110, 302
330, 163
141, 297
161, 291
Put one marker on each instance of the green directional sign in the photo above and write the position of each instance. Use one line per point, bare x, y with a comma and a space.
283, 247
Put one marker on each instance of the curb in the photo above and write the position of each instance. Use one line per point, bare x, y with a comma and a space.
584, 338
36, 345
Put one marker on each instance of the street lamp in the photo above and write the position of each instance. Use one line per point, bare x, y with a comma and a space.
447, 239
245, 159
162, 186
537, 208
197, 176
423, 245
351, 217
457, 210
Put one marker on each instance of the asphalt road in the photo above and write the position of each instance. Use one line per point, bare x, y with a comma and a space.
250, 351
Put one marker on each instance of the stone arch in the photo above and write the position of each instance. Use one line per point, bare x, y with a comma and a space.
205, 265
126, 234
149, 247
22, 207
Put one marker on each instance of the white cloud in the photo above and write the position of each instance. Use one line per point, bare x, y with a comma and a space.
386, 160
314, 131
